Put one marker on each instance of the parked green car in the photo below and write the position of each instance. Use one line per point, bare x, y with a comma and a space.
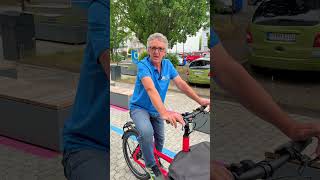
198, 71
285, 34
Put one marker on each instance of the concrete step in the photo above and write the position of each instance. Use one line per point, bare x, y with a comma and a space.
120, 96
37, 112
48, 8
8, 70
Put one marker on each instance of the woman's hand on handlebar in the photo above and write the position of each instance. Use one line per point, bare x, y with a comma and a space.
173, 118
220, 172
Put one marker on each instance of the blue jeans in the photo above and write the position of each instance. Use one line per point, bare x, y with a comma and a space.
149, 127
86, 165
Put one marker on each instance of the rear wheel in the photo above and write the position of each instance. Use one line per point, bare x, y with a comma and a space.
129, 147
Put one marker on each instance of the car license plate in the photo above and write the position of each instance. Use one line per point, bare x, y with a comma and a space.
286, 37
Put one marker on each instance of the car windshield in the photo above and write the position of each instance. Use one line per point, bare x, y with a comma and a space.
200, 64
288, 13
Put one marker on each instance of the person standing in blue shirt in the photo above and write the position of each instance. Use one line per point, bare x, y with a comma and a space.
147, 108
231, 75
86, 132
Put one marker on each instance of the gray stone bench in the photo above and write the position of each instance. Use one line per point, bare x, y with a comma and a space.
34, 113
120, 96
59, 21
8, 70
61, 28
128, 69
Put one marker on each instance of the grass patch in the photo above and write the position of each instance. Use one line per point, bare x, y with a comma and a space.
70, 61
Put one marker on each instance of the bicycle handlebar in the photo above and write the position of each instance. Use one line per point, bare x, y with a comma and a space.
188, 117
265, 169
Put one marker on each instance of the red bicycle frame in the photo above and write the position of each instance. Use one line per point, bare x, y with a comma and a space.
157, 154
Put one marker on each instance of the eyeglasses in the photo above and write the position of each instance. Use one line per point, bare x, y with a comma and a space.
154, 49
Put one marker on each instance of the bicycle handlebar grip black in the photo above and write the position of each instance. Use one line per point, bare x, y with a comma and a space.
203, 108
265, 169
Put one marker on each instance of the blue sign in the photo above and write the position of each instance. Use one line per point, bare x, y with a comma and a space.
134, 56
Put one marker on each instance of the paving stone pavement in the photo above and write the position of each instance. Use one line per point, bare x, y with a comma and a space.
16, 164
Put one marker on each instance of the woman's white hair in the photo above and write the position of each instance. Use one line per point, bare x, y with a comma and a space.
159, 37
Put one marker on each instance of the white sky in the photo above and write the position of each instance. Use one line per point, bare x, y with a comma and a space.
192, 44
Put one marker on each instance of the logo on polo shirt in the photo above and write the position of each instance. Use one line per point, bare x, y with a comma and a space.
164, 78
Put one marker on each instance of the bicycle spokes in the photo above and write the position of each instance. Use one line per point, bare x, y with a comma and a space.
137, 154
134, 158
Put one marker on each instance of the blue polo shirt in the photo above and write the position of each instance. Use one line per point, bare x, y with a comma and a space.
88, 125
140, 98
214, 40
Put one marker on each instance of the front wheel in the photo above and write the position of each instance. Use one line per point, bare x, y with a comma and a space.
129, 147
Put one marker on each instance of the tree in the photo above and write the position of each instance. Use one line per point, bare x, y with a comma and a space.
212, 9
200, 43
176, 19
208, 42
118, 32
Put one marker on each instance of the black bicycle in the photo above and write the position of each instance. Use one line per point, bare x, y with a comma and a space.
286, 163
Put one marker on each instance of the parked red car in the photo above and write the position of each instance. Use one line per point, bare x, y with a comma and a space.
191, 58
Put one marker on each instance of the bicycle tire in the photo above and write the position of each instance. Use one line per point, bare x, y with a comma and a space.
127, 134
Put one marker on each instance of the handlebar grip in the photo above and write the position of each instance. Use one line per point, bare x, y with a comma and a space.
202, 108
265, 169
